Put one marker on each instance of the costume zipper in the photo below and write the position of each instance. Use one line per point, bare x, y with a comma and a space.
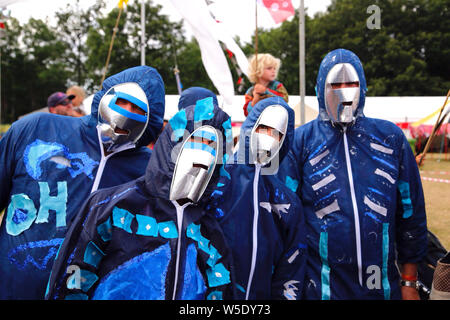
255, 229
355, 208
180, 211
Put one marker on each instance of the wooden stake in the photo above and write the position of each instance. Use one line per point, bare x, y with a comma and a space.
433, 133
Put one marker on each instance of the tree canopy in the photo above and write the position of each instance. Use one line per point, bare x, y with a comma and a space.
406, 56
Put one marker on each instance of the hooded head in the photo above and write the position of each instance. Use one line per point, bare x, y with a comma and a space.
144, 88
190, 96
267, 133
341, 87
190, 152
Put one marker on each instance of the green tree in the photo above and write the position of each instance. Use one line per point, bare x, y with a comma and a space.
163, 38
73, 25
406, 56
32, 67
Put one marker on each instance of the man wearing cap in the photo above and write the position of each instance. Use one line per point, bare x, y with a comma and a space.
60, 103
49, 164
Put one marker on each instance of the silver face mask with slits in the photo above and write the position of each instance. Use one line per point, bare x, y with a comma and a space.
195, 164
263, 145
341, 103
112, 116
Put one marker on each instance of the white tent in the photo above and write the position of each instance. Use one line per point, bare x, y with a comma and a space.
395, 109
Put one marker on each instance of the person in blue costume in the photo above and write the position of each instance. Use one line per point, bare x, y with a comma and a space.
152, 239
261, 218
361, 190
49, 164
190, 96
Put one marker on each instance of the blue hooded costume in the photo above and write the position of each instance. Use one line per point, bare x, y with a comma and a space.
190, 96
363, 199
262, 220
48, 165
127, 243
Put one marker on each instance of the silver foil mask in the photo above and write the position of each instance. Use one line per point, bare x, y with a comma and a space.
342, 93
268, 134
195, 165
118, 125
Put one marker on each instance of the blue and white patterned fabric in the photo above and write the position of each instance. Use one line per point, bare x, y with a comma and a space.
135, 243
363, 199
48, 165
262, 220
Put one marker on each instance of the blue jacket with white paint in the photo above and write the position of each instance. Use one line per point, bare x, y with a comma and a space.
262, 220
48, 165
132, 242
363, 200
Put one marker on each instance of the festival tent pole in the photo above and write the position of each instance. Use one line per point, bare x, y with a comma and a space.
121, 2
435, 129
301, 25
143, 33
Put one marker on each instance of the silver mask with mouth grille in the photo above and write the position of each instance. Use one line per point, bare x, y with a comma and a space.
113, 117
342, 93
264, 146
195, 164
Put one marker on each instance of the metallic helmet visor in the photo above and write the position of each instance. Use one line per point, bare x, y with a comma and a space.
342, 90
117, 124
268, 134
195, 165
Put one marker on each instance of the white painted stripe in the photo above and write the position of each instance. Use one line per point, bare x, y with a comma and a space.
375, 207
385, 175
294, 255
328, 209
381, 148
317, 159
324, 182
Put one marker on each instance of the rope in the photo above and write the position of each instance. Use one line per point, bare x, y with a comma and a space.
111, 46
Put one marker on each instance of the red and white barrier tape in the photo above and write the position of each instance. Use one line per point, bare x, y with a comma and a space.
435, 172
436, 180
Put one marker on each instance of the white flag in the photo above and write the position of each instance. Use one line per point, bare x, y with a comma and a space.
197, 15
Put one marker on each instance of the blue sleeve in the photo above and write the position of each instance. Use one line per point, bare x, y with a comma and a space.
74, 271
5, 168
289, 273
411, 230
289, 172
8, 151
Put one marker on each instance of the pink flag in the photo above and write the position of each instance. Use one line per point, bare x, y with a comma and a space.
280, 10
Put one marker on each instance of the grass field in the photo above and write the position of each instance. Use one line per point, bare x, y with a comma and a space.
437, 196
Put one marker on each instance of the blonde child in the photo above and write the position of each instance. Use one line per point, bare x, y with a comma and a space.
262, 72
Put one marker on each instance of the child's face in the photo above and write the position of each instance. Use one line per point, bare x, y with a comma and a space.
269, 73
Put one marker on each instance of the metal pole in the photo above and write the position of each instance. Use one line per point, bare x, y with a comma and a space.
256, 35
0, 86
302, 60
143, 33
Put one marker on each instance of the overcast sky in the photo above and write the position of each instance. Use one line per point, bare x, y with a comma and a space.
238, 15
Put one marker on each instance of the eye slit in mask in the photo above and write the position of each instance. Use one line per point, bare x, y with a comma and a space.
340, 85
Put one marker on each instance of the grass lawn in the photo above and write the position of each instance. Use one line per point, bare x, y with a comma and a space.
437, 196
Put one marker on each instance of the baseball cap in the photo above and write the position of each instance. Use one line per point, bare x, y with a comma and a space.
58, 98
